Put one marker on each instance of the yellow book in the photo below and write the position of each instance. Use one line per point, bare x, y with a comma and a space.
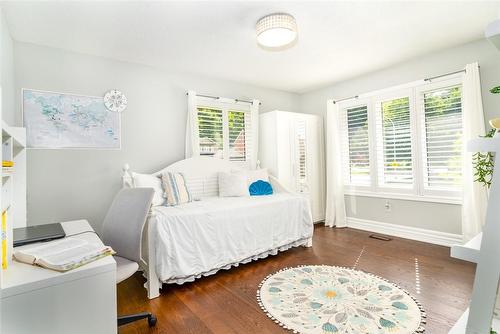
7, 163
4, 239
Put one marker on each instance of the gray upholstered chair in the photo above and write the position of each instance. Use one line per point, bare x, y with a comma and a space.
122, 230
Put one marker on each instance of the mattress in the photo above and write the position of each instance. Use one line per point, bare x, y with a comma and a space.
201, 237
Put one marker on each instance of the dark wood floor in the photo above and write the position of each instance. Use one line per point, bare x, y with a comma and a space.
225, 302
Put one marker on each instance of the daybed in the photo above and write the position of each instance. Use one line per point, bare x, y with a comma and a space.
185, 242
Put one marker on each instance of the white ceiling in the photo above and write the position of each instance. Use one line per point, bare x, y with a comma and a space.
337, 40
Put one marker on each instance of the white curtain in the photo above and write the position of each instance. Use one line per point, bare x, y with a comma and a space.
192, 141
254, 116
335, 204
475, 195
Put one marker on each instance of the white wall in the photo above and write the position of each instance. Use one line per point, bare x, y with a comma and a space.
71, 184
6, 72
439, 217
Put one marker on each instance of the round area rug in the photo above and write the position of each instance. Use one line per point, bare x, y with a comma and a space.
327, 299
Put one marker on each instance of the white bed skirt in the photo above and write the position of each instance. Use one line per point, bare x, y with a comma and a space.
199, 238
304, 242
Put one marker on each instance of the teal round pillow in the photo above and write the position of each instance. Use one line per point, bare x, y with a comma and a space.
260, 187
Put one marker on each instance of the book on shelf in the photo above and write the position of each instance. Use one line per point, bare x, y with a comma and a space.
63, 255
7, 163
7, 170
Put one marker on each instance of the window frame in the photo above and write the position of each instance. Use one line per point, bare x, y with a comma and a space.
417, 191
379, 153
246, 133
454, 82
226, 106
353, 187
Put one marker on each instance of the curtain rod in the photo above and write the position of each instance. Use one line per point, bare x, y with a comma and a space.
346, 98
218, 97
444, 75
426, 79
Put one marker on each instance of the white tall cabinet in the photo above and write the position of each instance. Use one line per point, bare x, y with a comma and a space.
291, 146
484, 249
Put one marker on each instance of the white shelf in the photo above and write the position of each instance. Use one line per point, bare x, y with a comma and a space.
17, 134
484, 145
469, 251
13, 187
483, 249
459, 327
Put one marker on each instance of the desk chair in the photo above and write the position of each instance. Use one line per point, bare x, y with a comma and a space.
122, 230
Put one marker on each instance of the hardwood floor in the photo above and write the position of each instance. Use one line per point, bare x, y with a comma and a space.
225, 302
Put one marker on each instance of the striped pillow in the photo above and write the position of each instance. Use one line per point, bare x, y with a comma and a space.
175, 189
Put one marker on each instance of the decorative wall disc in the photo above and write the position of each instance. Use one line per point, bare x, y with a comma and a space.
114, 100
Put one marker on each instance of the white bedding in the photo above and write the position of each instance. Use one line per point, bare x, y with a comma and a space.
201, 237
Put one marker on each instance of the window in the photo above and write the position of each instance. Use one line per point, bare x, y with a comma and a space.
356, 145
443, 138
405, 143
301, 155
224, 130
394, 142
210, 132
238, 121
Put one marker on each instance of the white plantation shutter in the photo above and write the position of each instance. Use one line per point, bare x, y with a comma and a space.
210, 129
406, 141
394, 149
355, 145
225, 131
442, 138
301, 154
240, 143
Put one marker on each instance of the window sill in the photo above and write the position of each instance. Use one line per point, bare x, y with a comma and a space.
406, 197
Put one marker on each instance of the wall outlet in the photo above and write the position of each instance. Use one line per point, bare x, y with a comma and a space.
387, 206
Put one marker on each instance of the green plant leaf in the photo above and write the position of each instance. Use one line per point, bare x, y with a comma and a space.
483, 163
495, 90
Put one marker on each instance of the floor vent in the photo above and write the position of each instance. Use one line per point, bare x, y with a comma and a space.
380, 237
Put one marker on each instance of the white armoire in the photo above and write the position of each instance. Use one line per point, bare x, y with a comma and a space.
291, 148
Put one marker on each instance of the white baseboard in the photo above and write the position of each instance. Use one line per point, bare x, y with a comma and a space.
319, 219
414, 233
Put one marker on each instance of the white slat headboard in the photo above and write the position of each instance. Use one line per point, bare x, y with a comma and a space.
200, 172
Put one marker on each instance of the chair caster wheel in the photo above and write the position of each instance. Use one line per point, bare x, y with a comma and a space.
152, 321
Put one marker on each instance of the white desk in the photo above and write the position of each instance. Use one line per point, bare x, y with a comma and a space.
42, 301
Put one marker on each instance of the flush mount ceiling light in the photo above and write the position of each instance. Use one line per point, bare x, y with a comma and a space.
276, 31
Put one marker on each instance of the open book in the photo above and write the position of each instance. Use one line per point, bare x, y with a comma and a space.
63, 255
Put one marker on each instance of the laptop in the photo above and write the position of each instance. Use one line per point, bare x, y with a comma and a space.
37, 233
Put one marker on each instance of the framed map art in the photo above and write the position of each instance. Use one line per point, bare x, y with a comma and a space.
57, 120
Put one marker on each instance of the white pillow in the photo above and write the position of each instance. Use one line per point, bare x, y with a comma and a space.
202, 186
256, 175
175, 188
150, 181
233, 185
253, 175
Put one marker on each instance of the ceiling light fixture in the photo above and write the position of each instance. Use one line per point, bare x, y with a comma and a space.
276, 31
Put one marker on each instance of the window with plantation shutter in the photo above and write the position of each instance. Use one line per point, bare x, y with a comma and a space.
442, 138
238, 122
405, 142
356, 145
224, 130
394, 142
210, 132
301, 154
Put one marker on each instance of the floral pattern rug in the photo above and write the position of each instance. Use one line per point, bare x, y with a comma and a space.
328, 299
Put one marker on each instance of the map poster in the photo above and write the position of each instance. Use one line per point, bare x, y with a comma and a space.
57, 120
